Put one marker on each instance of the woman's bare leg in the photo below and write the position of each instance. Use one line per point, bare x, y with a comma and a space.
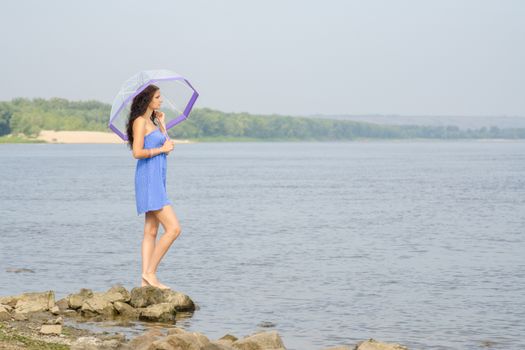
151, 228
166, 216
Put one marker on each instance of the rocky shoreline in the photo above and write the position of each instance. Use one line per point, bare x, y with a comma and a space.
35, 321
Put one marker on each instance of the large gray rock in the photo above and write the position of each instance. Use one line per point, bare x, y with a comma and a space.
126, 310
219, 345
181, 301
372, 344
118, 293
260, 341
183, 341
163, 312
146, 296
225, 342
143, 342
77, 299
35, 302
98, 304
176, 331
9, 300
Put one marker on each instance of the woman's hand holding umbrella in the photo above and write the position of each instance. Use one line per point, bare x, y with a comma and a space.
168, 146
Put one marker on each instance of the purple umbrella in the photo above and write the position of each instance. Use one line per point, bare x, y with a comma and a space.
177, 93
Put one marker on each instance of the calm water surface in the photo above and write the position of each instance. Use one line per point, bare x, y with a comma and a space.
420, 243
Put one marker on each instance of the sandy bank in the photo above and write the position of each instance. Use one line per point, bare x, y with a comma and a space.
52, 136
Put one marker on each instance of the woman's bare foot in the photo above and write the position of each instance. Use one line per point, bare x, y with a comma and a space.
152, 280
144, 282
163, 286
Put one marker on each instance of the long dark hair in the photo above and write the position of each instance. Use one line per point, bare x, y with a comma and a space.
139, 106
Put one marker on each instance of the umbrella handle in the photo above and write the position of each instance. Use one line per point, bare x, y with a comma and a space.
164, 131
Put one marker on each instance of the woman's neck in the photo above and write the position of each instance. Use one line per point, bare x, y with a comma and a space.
148, 113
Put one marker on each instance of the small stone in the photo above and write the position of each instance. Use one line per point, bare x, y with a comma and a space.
229, 337
110, 344
69, 313
4, 313
117, 336
76, 300
488, 343
20, 316
19, 270
51, 329
86, 343
57, 320
266, 324
126, 310
62, 304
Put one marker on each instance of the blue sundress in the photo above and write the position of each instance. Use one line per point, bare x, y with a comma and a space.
150, 176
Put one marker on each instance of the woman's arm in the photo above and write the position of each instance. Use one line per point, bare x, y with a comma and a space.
139, 131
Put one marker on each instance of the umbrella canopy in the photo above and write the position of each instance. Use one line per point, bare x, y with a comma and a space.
177, 93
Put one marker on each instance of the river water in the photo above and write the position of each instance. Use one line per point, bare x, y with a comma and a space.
416, 242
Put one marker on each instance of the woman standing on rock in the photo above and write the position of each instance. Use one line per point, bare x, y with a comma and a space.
150, 147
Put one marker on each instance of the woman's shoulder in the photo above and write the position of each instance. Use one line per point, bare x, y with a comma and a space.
139, 122
140, 119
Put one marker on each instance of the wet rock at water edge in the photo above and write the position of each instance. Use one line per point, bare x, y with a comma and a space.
19, 270
146, 296
163, 312
372, 344
34, 302
261, 340
76, 300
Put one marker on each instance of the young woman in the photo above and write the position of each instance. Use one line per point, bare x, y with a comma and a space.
150, 147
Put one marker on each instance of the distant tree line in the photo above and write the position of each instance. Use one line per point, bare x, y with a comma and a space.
29, 116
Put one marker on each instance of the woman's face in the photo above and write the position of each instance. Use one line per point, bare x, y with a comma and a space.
156, 101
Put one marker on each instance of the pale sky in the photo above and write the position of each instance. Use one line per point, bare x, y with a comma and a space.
418, 57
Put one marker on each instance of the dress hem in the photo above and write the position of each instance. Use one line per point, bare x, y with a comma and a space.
167, 203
